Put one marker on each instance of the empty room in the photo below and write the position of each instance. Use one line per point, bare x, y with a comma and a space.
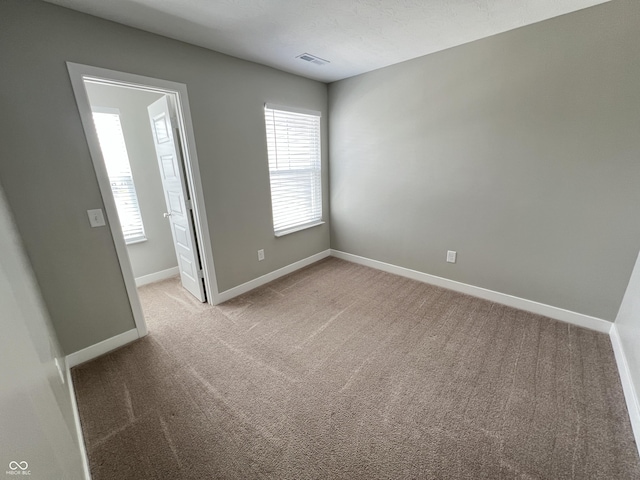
320, 239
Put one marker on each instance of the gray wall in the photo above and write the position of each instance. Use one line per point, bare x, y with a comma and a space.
157, 253
628, 325
520, 151
48, 176
36, 416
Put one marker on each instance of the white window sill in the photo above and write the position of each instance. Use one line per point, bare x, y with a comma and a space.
282, 233
135, 240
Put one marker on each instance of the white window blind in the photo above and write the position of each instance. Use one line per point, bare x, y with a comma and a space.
293, 143
114, 151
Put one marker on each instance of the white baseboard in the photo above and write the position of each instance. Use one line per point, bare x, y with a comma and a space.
628, 387
78, 425
101, 348
158, 276
593, 323
269, 277
556, 313
82, 356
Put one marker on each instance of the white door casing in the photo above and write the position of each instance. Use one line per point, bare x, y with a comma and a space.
78, 74
166, 139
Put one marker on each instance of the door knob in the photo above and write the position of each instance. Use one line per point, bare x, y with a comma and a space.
166, 215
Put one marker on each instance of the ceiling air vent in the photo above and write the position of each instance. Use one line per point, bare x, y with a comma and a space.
307, 57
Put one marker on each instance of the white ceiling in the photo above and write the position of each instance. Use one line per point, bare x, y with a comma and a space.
356, 36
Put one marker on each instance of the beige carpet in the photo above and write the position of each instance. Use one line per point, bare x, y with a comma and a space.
341, 371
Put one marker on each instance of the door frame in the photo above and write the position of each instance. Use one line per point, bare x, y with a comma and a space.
78, 73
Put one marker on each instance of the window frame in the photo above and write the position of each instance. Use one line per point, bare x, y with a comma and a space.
314, 170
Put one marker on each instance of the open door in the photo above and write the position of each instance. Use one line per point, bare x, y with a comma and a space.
167, 142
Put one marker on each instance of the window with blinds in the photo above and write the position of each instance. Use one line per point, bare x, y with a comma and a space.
114, 151
293, 143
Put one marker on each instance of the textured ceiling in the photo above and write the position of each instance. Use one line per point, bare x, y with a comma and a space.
356, 36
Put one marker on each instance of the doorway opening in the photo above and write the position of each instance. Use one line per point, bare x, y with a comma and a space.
141, 141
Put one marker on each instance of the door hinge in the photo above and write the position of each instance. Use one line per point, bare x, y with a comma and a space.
200, 273
189, 204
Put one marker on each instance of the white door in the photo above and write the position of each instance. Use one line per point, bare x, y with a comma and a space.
167, 141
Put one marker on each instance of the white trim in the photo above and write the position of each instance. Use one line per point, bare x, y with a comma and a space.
298, 228
630, 392
78, 74
136, 240
78, 425
83, 356
303, 111
109, 110
561, 314
101, 348
157, 276
269, 277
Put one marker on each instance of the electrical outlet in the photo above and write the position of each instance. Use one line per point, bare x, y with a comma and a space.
260, 255
451, 256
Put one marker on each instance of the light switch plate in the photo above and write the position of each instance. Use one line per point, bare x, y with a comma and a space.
96, 218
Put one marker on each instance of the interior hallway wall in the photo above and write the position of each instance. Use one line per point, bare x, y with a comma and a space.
520, 151
36, 417
157, 253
